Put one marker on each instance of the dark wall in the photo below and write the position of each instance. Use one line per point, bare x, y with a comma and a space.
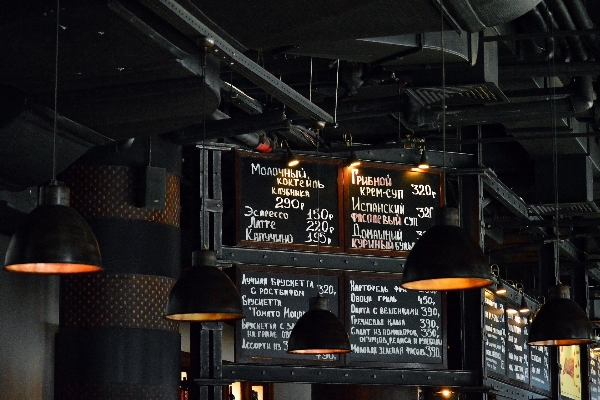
28, 323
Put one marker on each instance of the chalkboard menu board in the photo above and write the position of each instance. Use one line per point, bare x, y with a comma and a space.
388, 324
540, 367
495, 334
507, 354
273, 300
387, 208
594, 376
516, 348
286, 207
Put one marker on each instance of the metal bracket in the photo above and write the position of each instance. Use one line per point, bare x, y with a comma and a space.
214, 206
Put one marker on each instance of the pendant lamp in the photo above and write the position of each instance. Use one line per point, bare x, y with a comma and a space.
560, 322
444, 258
204, 293
318, 331
54, 239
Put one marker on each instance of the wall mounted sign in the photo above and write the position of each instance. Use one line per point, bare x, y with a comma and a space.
273, 300
507, 355
388, 207
379, 208
387, 325
540, 367
390, 325
293, 208
495, 333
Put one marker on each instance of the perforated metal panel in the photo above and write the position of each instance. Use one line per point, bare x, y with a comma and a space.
109, 192
123, 301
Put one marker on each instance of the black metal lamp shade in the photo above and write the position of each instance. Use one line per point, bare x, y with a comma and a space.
560, 322
291, 160
204, 293
54, 239
318, 331
423, 160
524, 308
444, 258
353, 161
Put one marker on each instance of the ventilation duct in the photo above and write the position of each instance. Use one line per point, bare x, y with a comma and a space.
26, 142
476, 15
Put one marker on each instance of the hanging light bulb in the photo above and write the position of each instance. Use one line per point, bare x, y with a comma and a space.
501, 289
444, 258
423, 161
560, 322
511, 310
445, 393
54, 239
290, 160
353, 161
524, 308
204, 293
318, 331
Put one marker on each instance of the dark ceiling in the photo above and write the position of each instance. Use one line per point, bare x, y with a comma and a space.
518, 77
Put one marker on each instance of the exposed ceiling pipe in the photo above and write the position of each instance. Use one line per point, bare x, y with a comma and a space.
580, 102
583, 21
538, 20
559, 9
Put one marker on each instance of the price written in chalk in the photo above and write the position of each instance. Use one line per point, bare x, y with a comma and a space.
319, 226
428, 300
423, 190
329, 357
327, 289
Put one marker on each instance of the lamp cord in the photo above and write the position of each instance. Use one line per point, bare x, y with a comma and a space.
337, 86
203, 151
55, 122
443, 107
555, 166
310, 81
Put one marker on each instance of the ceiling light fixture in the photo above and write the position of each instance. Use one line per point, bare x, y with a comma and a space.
511, 310
423, 160
291, 160
54, 238
524, 308
204, 293
319, 331
560, 322
445, 258
500, 289
353, 161
446, 393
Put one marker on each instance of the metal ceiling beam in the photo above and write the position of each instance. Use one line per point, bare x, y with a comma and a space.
250, 70
306, 259
356, 376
